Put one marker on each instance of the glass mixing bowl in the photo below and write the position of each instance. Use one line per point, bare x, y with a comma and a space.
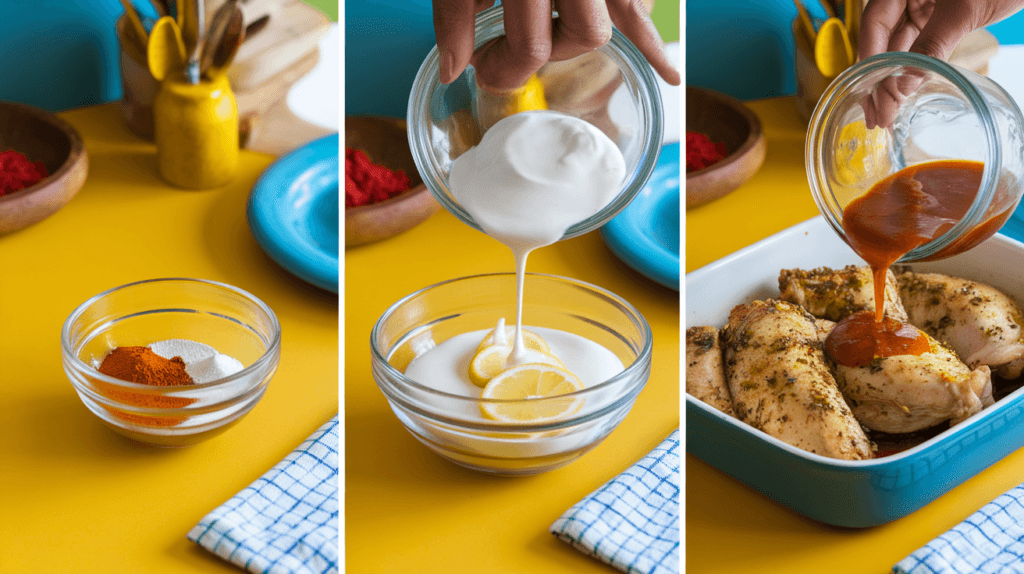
898, 109
228, 319
445, 120
451, 425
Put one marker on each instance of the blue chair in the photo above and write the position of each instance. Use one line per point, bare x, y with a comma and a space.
385, 43
743, 48
59, 54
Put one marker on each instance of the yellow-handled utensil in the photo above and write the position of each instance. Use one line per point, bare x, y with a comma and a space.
852, 14
165, 52
135, 21
805, 21
829, 10
193, 26
832, 49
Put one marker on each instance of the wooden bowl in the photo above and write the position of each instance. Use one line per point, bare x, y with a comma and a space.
723, 119
384, 141
41, 136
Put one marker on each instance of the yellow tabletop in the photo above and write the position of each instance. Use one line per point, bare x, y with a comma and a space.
76, 497
729, 526
409, 510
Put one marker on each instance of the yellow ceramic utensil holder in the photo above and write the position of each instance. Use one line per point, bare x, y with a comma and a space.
196, 129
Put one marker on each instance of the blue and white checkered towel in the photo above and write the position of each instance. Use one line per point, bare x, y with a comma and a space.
989, 541
632, 522
286, 521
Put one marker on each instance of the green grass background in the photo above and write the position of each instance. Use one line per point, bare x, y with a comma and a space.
328, 7
666, 18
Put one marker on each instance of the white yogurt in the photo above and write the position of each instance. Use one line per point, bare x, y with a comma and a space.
445, 367
532, 177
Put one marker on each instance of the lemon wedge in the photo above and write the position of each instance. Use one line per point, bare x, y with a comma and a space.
531, 381
530, 339
528, 97
859, 153
494, 107
490, 361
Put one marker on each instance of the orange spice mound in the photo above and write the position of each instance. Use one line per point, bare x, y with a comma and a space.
141, 365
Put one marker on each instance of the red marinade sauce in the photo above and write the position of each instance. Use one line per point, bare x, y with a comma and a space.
905, 210
858, 339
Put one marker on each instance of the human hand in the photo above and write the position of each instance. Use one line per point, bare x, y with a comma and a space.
929, 27
532, 37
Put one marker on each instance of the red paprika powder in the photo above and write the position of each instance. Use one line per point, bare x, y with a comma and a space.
17, 172
141, 365
367, 182
701, 152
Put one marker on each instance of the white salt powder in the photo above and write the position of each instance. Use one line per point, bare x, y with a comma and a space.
202, 362
189, 351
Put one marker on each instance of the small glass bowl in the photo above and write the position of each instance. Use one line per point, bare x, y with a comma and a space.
938, 112
444, 120
451, 425
228, 319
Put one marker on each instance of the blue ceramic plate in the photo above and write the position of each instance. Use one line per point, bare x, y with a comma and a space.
293, 212
646, 234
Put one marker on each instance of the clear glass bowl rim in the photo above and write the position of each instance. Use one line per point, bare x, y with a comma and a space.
649, 103
814, 148
628, 375
260, 365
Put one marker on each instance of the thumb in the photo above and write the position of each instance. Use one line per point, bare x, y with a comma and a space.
948, 24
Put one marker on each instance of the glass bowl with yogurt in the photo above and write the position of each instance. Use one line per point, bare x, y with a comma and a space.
613, 89
421, 348
228, 340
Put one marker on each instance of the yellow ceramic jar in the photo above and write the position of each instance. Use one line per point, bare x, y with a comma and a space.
196, 129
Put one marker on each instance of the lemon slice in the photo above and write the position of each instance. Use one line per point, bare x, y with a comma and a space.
490, 361
530, 339
531, 381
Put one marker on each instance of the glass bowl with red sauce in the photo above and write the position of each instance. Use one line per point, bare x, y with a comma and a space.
910, 158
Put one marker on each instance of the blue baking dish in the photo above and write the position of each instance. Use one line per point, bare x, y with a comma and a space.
845, 493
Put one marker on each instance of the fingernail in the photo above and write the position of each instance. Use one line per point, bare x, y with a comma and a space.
447, 66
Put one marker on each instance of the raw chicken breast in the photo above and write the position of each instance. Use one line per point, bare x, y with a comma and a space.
981, 324
834, 294
705, 375
780, 383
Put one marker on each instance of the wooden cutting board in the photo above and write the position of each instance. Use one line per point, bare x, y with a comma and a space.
975, 50
309, 110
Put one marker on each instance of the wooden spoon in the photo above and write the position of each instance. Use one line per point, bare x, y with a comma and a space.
832, 49
165, 52
227, 31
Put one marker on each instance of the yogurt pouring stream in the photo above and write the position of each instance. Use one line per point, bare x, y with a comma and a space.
532, 177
